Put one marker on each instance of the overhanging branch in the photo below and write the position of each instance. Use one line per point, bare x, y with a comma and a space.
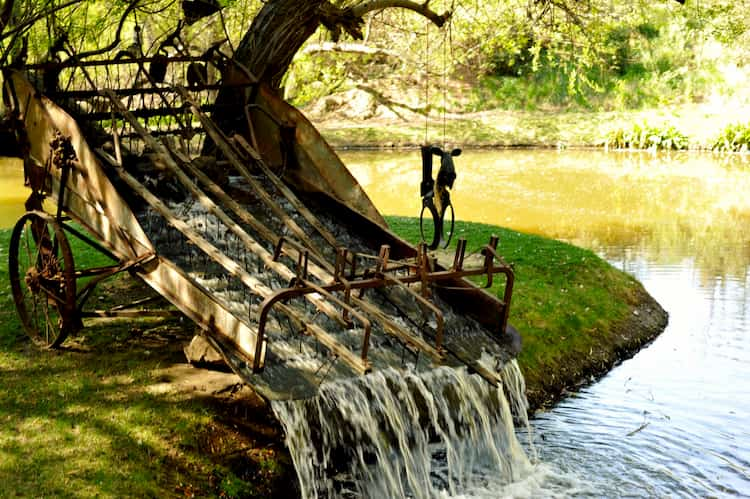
423, 9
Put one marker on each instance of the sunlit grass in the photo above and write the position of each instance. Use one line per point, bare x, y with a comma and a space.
83, 422
566, 302
700, 123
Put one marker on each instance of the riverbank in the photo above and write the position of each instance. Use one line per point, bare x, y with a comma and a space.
117, 412
344, 128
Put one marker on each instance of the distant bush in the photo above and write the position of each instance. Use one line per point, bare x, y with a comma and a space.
644, 136
734, 138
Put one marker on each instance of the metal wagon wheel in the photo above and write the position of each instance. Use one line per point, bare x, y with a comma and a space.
42, 278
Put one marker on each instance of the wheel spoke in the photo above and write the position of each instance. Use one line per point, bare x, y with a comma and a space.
42, 278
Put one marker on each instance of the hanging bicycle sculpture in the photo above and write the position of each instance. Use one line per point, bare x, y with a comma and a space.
436, 197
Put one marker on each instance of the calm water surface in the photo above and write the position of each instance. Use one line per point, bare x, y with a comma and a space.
675, 419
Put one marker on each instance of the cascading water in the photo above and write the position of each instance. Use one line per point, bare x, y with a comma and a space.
405, 434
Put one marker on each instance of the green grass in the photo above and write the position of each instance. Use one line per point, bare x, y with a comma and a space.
84, 422
691, 126
566, 301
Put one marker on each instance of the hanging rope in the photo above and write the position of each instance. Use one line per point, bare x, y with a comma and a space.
427, 83
445, 87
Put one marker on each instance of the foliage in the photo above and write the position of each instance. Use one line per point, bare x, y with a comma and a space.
646, 136
733, 138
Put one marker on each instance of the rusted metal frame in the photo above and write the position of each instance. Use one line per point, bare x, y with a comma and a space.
458, 259
439, 320
223, 197
127, 92
389, 326
122, 311
305, 288
287, 192
130, 314
322, 265
229, 265
78, 63
381, 272
52, 116
232, 155
105, 272
509, 280
86, 239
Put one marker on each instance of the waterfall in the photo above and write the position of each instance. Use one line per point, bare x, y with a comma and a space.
406, 434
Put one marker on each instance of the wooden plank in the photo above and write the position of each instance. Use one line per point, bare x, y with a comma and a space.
228, 264
201, 307
287, 192
232, 156
42, 119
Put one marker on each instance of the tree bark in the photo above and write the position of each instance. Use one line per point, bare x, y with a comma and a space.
275, 35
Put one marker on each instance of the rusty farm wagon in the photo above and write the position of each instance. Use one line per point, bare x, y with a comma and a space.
268, 243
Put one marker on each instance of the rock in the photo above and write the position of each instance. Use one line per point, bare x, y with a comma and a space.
201, 352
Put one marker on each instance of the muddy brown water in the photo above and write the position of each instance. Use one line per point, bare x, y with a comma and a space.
672, 421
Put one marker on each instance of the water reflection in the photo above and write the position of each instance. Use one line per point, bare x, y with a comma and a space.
672, 421
696, 204
12, 192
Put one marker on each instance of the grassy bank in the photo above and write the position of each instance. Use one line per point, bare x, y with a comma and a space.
702, 124
577, 314
109, 415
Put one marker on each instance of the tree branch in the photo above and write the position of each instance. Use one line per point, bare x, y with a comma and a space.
36, 18
117, 39
351, 48
423, 9
5, 13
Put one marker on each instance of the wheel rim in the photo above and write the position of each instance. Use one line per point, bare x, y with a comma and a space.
42, 278
446, 236
429, 231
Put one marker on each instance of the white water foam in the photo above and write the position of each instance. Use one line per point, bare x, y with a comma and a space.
441, 433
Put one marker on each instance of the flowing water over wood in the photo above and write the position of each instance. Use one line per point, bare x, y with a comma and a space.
672, 421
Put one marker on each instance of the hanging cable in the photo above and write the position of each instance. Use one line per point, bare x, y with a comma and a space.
427, 83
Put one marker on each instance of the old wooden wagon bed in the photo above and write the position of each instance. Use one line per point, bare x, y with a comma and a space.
267, 242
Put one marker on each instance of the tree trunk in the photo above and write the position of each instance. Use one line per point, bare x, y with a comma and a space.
267, 49
276, 34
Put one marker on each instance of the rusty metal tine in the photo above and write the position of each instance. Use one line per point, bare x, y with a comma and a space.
230, 153
250, 243
458, 260
390, 327
236, 208
423, 268
346, 306
509, 280
214, 253
287, 192
439, 320
303, 290
382, 264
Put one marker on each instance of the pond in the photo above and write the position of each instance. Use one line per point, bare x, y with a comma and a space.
672, 421
12, 192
